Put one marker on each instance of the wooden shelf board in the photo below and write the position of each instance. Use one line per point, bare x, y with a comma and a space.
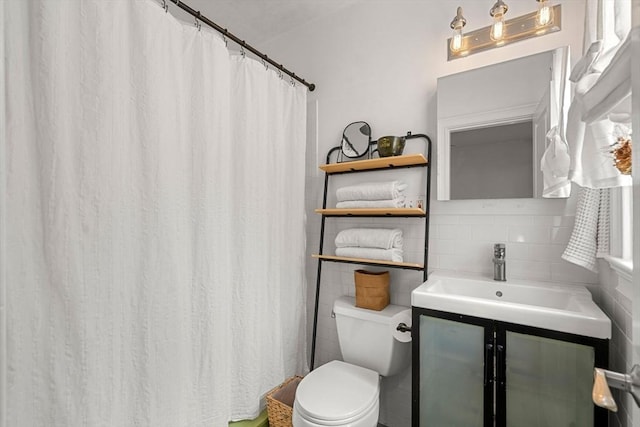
369, 261
373, 164
372, 212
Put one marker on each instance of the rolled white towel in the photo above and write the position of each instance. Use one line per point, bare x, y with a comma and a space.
371, 253
355, 204
380, 238
372, 191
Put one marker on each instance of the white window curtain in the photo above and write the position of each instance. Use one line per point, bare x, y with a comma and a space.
153, 220
600, 108
599, 113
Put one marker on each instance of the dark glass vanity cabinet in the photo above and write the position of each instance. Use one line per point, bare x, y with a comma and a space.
473, 372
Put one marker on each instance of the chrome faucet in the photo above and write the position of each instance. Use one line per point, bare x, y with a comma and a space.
499, 262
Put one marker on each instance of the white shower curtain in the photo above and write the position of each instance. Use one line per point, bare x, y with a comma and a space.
261, 110
153, 220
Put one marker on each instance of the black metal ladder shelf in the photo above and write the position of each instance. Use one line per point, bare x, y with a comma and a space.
383, 163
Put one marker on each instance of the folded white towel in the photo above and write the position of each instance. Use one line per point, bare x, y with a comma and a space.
370, 238
371, 253
355, 204
372, 191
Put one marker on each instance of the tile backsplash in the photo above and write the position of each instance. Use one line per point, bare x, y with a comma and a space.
534, 245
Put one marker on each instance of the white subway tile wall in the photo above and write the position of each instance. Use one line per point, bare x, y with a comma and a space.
534, 246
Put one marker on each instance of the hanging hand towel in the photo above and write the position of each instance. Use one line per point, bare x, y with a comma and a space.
590, 237
372, 191
370, 238
371, 253
359, 204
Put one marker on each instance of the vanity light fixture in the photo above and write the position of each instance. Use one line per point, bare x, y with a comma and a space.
547, 19
497, 12
457, 25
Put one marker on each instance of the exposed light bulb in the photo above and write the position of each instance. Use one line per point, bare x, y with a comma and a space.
457, 24
456, 40
497, 29
497, 12
545, 13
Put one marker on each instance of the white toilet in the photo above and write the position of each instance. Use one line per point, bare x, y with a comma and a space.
347, 393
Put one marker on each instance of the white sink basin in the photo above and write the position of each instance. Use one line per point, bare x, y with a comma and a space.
563, 308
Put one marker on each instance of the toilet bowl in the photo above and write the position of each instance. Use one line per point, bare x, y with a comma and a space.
338, 394
346, 393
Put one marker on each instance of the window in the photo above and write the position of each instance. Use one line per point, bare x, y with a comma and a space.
621, 232
615, 18
622, 223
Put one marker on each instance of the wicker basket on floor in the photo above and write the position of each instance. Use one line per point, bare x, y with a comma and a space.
280, 402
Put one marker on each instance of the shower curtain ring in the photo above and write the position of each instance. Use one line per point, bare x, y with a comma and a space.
264, 62
165, 6
198, 24
242, 52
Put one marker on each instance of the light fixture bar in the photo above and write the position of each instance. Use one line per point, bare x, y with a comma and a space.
516, 29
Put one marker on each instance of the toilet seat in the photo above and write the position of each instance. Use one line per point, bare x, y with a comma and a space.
337, 393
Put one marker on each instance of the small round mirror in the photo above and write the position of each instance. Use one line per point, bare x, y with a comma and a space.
356, 139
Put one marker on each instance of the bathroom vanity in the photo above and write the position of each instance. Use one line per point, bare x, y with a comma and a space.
510, 353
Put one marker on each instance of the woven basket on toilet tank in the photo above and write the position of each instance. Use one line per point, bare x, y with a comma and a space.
372, 289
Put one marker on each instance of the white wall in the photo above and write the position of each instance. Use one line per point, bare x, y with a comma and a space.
378, 61
616, 302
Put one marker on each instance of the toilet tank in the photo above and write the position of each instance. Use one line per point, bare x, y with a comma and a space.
366, 338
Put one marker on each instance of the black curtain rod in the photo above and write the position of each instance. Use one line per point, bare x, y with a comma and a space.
196, 14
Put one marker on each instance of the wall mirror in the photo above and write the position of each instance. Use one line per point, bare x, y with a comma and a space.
356, 140
492, 126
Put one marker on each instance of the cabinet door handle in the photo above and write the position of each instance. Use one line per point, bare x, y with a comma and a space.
499, 364
488, 359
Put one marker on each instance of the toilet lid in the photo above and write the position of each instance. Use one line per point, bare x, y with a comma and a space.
337, 391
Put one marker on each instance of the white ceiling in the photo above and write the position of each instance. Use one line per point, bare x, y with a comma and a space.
257, 21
